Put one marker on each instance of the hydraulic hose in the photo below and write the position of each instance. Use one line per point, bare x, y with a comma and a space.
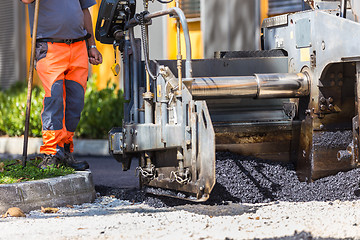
171, 11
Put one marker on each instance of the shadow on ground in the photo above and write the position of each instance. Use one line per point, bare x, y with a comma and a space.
241, 179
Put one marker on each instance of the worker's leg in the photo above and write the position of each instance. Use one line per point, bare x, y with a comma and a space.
52, 62
75, 87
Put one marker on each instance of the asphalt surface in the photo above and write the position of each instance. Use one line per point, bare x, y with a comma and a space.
110, 180
252, 199
106, 171
240, 179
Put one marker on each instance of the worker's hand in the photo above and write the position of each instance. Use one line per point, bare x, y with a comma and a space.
95, 57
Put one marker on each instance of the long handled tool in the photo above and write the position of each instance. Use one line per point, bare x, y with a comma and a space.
30, 82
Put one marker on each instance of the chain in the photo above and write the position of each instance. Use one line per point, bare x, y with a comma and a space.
144, 35
174, 176
146, 173
145, 42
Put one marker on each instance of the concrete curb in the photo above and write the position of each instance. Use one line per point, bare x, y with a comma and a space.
14, 146
72, 189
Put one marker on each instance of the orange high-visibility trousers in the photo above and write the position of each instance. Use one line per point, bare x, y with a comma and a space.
63, 70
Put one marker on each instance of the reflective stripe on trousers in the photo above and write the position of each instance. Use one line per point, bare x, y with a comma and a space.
63, 70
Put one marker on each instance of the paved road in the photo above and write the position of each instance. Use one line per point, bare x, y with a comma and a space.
108, 172
105, 169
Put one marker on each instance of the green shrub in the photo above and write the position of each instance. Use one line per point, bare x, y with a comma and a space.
103, 110
13, 110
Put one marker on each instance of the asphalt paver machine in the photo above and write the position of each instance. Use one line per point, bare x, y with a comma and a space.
295, 100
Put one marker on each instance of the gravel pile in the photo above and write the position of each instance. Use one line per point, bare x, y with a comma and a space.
249, 180
243, 179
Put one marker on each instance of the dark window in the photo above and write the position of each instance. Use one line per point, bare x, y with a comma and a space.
284, 6
191, 8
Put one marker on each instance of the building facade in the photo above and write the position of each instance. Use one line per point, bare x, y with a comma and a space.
215, 25
12, 43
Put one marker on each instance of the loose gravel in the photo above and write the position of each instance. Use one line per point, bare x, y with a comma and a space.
241, 179
252, 199
112, 218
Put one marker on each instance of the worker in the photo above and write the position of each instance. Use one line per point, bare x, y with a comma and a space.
65, 44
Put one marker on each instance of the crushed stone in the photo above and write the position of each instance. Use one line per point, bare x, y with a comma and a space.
252, 199
241, 179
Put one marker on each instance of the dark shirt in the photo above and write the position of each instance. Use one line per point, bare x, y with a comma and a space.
62, 19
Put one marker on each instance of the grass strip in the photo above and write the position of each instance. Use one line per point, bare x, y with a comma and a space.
12, 171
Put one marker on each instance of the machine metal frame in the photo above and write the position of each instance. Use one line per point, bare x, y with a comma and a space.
295, 100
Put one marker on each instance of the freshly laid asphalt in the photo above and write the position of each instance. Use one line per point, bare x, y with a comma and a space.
239, 179
106, 171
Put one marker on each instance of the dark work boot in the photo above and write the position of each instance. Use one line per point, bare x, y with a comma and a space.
49, 161
70, 161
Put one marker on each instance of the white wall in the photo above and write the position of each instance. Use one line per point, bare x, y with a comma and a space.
157, 31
